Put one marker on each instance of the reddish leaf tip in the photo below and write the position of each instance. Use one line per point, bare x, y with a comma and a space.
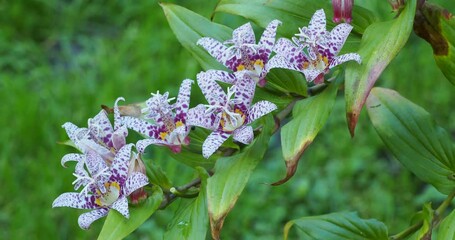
352, 118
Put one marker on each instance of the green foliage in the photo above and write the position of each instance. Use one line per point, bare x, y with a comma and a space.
447, 227
413, 137
380, 44
338, 226
117, 226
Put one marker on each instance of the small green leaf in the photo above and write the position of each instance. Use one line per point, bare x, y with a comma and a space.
157, 176
437, 26
189, 27
287, 81
447, 227
426, 230
337, 226
117, 227
191, 220
231, 176
308, 117
413, 137
381, 42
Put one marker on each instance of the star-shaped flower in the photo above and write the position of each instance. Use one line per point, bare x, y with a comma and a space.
241, 53
100, 136
227, 113
105, 187
169, 127
314, 50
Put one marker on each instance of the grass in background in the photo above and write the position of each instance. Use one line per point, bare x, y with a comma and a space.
60, 60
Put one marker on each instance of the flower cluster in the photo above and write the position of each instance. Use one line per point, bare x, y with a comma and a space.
107, 169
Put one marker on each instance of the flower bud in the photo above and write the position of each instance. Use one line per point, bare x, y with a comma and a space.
137, 165
342, 10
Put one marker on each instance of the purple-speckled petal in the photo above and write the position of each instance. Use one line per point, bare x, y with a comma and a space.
86, 219
214, 47
317, 23
288, 56
344, 58
311, 74
134, 182
100, 127
95, 163
213, 142
83, 178
244, 34
260, 109
121, 205
198, 117
211, 90
338, 37
119, 137
244, 90
76, 134
143, 127
221, 76
75, 200
142, 144
183, 100
119, 167
88, 145
72, 157
268, 37
243, 134
279, 61
117, 117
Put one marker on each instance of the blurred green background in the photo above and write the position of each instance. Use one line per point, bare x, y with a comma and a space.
60, 60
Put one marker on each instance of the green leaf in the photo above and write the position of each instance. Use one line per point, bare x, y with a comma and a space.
427, 227
231, 176
117, 227
189, 27
414, 138
337, 226
447, 227
437, 27
191, 220
380, 44
157, 176
287, 81
308, 117
293, 14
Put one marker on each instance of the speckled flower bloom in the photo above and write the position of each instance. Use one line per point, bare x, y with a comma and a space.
100, 136
314, 50
228, 113
169, 126
105, 187
241, 53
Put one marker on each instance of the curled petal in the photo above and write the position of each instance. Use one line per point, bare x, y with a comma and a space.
76, 134
243, 134
117, 117
121, 205
72, 157
135, 181
143, 127
214, 47
86, 219
268, 37
142, 144
260, 109
213, 142
75, 200
119, 167
344, 58
198, 117
211, 90
183, 99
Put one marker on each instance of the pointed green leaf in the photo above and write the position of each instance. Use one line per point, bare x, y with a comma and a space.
437, 26
447, 227
157, 176
380, 44
191, 220
117, 227
231, 176
414, 138
426, 230
337, 226
308, 117
189, 27
287, 81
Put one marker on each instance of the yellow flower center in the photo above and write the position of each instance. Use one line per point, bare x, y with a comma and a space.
232, 120
110, 196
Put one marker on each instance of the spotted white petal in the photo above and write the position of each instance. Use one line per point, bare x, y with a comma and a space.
119, 137
317, 24
213, 142
268, 37
141, 126
100, 127
244, 34
221, 76
243, 134
86, 219
214, 47
121, 205
344, 58
72, 157
76, 134
197, 116
135, 181
95, 163
183, 100
211, 90
311, 74
119, 166
338, 37
244, 89
260, 109
141, 145
75, 200
117, 117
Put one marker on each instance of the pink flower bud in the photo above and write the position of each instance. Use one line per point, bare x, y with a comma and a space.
137, 165
342, 10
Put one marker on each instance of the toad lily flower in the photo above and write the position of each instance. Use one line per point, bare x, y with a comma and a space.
169, 127
322, 48
241, 53
100, 136
228, 114
105, 187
